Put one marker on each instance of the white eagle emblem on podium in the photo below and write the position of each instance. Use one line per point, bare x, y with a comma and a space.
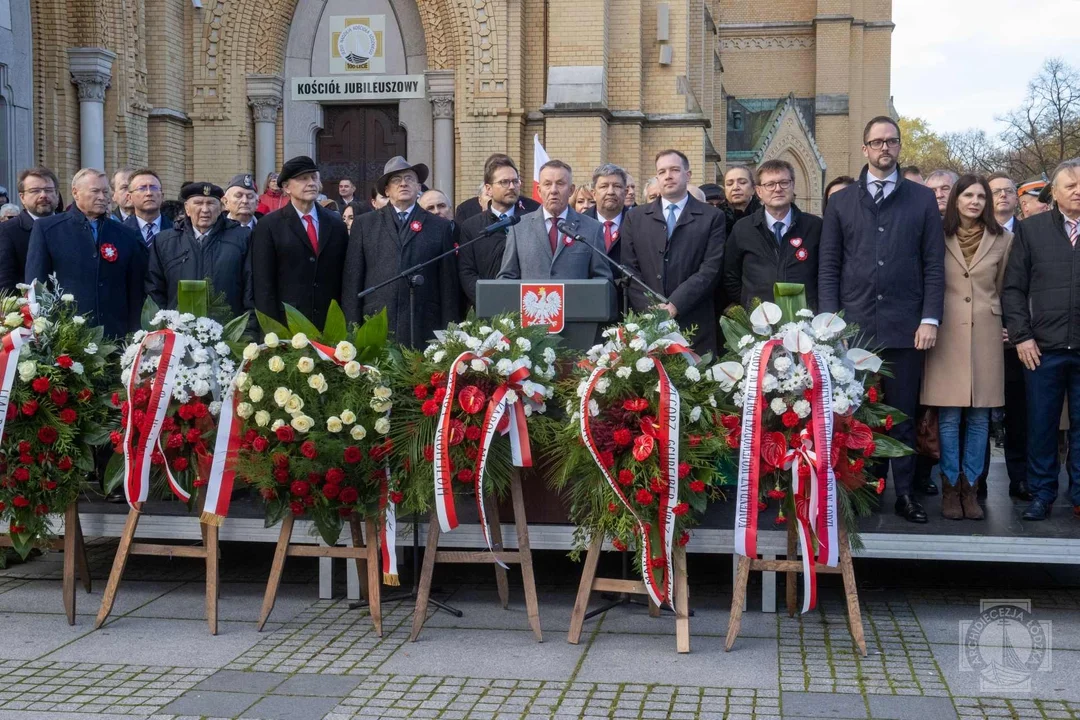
543, 305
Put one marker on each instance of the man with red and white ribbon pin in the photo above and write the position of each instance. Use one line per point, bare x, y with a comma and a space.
95, 258
675, 244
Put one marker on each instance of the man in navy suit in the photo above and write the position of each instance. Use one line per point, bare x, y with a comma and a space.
94, 257
882, 261
609, 184
144, 189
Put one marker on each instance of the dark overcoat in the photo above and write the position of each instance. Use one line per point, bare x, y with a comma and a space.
223, 257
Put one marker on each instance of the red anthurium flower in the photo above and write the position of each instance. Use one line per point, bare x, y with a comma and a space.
643, 447
471, 399
649, 426
635, 404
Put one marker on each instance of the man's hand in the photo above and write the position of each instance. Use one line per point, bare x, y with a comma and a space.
1029, 354
671, 311
925, 336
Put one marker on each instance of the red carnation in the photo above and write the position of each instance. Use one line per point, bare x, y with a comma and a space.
789, 419
85, 394
618, 545
438, 379
68, 416
440, 395
623, 437
335, 475
296, 507
29, 407
348, 495
115, 437
285, 433
168, 424
180, 463
185, 412
730, 421
331, 491
353, 455
635, 404
429, 453
59, 397
64, 464
281, 461
471, 399
697, 486
870, 449
472, 452
694, 440
612, 508
47, 435
142, 396
626, 477
880, 487
65, 361
762, 506
396, 497
115, 399
465, 475
732, 440
21, 474
300, 488
780, 520
308, 450
643, 497
268, 493
430, 408
260, 444
656, 485
684, 469
683, 539
473, 433
420, 391
872, 394
281, 475
200, 409
49, 484
680, 509
194, 435
20, 502
888, 423
776, 494
607, 458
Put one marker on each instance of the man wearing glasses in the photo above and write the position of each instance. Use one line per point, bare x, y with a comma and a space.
398, 236
777, 243
38, 194
144, 189
882, 261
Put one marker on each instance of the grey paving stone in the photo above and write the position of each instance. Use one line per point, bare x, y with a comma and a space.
43, 596
237, 601
281, 707
822, 705
488, 654
335, 686
28, 636
211, 703
896, 707
239, 681
1058, 683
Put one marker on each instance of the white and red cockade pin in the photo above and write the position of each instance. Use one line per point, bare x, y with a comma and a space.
801, 254
415, 226
567, 240
615, 236
795, 242
109, 252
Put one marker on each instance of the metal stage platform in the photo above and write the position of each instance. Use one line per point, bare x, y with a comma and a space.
1001, 537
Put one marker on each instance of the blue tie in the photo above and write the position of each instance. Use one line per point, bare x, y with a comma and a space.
94, 230
778, 230
670, 220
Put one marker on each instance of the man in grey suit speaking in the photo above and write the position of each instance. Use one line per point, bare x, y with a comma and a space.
537, 250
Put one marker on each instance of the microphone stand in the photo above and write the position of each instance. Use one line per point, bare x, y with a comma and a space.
631, 277
414, 280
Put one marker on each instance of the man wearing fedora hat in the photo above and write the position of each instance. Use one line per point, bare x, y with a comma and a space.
391, 239
298, 250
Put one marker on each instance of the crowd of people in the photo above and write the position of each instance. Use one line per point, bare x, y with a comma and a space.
968, 285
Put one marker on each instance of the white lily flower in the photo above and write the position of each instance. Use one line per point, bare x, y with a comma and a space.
765, 316
864, 360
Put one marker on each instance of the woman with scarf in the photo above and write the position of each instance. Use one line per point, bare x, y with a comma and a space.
965, 370
272, 198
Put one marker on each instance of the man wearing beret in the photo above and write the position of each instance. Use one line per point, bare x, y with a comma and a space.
94, 257
392, 239
298, 251
209, 246
240, 200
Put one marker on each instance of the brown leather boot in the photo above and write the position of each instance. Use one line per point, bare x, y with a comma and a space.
951, 508
969, 501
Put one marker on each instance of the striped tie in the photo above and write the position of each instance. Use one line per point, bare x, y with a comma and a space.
879, 194
1074, 227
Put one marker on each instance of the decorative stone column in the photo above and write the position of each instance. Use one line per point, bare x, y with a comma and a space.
264, 96
440, 86
91, 71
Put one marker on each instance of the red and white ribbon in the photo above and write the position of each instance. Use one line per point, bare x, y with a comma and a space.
824, 519
746, 504
388, 533
670, 408
10, 348
137, 454
219, 484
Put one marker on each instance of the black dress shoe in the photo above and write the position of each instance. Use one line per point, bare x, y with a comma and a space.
116, 496
927, 486
1037, 510
1020, 490
909, 508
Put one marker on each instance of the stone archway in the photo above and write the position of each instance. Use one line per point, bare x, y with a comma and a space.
16, 92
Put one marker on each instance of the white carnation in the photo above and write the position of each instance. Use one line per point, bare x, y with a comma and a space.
778, 406
769, 383
692, 373
782, 364
695, 414
199, 388
644, 364
594, 409
549, 355
801, 408
478, 365
67, 297
504, 366
438, 357
602, 385
524, 344
623, 371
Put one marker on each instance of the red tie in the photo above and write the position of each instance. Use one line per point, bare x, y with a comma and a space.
608, 239
553, 235
311, 236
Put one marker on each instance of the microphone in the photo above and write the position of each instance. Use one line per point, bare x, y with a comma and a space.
568, 230
504, 224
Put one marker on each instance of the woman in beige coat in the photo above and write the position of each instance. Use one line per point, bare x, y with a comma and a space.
965, 370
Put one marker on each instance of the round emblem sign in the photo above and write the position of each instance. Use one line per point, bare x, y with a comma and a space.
357, 44
415, 226
801, 254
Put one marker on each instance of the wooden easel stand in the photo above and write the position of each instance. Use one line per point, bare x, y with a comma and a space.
523, 557
74, 549
360, 553
792, 566
590, 583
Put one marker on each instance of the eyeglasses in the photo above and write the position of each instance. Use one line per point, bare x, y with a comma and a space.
878, 144
777, 185
402, 180
146, 189
1004, 192
38, 191
514, 182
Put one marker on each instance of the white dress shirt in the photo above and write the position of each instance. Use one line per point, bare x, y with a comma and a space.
156, 222
889, 186
314, 218
1010, 224
770, 221
617, 220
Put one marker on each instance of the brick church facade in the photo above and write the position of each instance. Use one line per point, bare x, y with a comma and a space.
202, 89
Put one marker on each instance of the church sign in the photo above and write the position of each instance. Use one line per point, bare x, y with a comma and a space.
357, 44
371, 87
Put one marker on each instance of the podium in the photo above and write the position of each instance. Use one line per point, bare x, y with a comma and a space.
588, 305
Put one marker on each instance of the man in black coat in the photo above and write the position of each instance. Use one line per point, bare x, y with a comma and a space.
385, 242
778, 243
95, 258
610, 184
676, 246
144, 191
481, 260
472, 206
882, 261
1041, 303
298, 251
38, 193
209, 246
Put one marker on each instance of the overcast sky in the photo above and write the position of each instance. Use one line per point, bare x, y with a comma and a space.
960, 63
